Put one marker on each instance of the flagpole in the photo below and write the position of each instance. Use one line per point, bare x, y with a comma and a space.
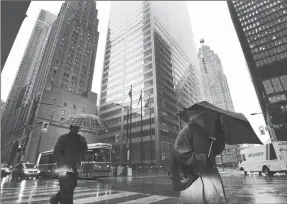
150, 131
127, 136
131, 126
141, 129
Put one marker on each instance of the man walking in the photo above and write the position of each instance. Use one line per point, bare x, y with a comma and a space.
67, 153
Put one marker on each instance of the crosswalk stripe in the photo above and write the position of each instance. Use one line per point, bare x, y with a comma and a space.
105, 197
38, 192
150, 199
44, 196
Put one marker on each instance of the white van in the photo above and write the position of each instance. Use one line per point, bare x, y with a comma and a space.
269, 158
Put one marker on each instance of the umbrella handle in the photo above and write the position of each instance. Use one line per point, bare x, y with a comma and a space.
213, 139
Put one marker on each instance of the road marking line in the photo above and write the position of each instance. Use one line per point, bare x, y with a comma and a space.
38, 191
91, 192
104, 197
50, 193
150, 199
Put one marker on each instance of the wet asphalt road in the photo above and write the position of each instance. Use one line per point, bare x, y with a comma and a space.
146, 189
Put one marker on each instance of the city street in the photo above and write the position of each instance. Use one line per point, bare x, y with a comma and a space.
155, 188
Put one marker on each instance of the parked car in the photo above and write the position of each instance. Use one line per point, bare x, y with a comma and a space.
5, 170
25, 171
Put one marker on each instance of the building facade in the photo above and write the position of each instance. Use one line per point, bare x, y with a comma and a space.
149, 48
56, 106
214, 81
17, 103
62, 86
261, 27
67, 69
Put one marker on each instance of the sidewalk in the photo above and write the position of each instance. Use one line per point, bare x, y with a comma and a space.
162, 174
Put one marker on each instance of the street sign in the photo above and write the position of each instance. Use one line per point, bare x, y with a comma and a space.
45, 126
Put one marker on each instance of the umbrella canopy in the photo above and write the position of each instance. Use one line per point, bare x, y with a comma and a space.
86, 121
237, 127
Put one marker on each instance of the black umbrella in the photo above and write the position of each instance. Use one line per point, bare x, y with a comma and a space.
237, 127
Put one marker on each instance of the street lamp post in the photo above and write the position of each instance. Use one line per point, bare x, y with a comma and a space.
269, 125
127, 131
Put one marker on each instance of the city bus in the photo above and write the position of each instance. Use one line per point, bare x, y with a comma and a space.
95, 163
269, 159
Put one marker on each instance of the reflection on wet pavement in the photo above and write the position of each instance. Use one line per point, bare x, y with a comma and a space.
239, 189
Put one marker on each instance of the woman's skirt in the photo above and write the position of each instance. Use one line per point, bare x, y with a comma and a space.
207, 189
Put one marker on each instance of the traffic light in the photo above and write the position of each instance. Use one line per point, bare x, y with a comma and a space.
117, 138
262, 131
19, 149
45, 126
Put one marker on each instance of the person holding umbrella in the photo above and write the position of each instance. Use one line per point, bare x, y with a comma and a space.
67, 153
193, 166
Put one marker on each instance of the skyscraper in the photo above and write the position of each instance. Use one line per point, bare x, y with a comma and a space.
63, 87
149, 47
214, 81
261, 27
16, 103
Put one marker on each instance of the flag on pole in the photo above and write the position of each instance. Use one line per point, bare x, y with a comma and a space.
140, 98
147, 104
130, 93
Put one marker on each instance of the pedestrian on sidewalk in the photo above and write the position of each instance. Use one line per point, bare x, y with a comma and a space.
193, 167
67, 153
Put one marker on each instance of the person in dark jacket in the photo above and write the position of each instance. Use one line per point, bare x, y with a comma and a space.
193, 167
67, 154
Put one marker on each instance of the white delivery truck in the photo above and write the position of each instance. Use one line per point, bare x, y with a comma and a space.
269, 158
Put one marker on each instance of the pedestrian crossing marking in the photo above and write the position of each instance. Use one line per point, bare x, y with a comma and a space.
94, 195
43, 192
150, 199
105, 197
7, 190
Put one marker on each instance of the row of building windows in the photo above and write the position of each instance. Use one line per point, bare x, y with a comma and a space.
109, 130
108, 106
268, 60
248, 7
259, 26
138, 123
277, 98
168, 124
143, 134
166, 105
277, 84
258, 33
113, 121
168, 115
111, 113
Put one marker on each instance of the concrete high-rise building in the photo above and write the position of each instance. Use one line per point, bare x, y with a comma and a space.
71, 51
214, 81
16, 104
261, 27
149, 46
62, 85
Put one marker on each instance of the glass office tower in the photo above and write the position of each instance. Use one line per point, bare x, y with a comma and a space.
149, 47
261, 28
